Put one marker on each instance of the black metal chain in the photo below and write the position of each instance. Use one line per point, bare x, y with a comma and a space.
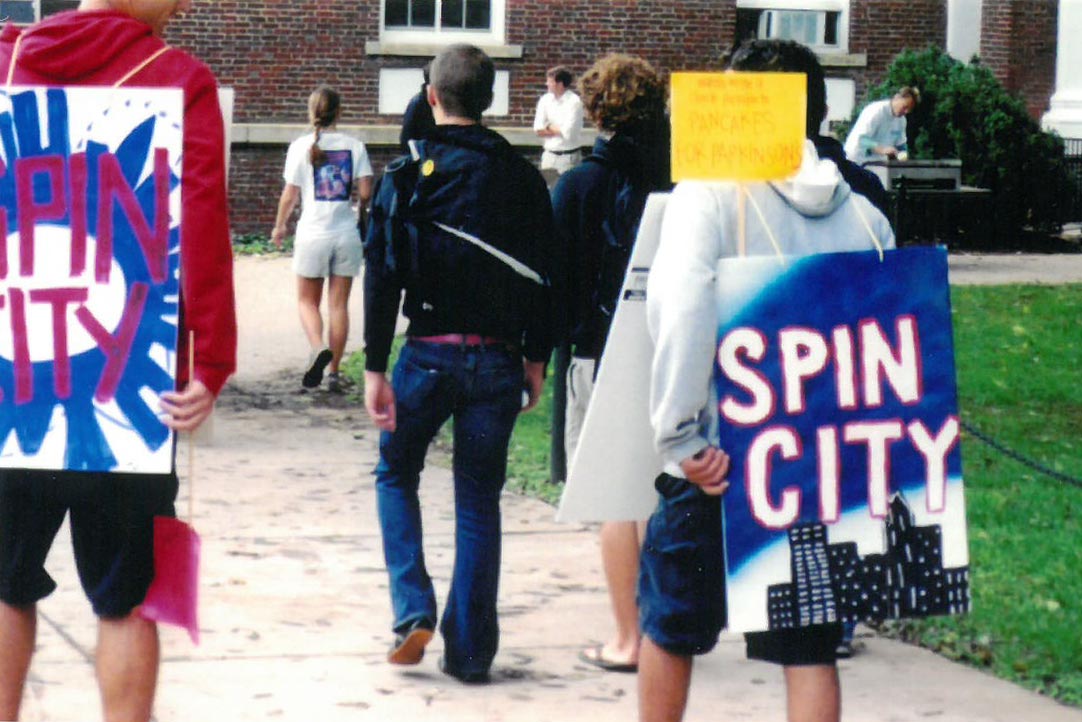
1024, 460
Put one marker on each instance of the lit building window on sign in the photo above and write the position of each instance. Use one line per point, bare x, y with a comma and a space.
441, 14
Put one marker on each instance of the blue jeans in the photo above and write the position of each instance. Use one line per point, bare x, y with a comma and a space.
480, 386
682, 604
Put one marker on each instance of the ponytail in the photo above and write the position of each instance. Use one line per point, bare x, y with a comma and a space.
316, 155
324, 105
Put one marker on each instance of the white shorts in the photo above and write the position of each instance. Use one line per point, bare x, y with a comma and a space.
328, 255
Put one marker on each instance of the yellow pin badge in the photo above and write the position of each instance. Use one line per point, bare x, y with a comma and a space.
428, 167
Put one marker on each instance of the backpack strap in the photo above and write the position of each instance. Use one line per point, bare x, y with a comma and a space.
404, 196
507, 259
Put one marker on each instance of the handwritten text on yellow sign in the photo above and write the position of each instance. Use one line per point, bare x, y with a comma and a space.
737, 126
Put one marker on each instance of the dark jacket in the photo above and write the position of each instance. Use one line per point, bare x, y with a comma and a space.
583, 204
417, 121
860, 180
468, 183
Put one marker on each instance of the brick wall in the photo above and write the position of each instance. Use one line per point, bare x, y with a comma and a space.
254, 187
883, 28
671, 35
1018, 43
274, 55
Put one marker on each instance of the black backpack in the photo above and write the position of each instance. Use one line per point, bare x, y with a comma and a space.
407, 202
622, 206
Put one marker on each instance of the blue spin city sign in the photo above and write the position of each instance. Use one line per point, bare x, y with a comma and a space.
837, 404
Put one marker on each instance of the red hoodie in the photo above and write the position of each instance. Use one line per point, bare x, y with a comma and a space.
99, 48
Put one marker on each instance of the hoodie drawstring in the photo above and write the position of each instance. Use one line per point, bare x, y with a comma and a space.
14, 54
134, 71
742, 243
762, 219
868, 227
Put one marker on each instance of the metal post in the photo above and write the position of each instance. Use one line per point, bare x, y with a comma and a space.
901, 202
561, 359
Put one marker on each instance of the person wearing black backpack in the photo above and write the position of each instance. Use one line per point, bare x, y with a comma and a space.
462, 226
597, 207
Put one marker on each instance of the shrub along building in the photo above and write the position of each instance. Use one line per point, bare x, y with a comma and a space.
273, 53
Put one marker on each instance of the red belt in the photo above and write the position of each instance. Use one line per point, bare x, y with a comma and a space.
462, 339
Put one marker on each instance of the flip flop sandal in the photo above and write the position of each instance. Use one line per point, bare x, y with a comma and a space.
592, 656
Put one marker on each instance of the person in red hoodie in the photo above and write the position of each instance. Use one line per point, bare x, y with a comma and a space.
103, 43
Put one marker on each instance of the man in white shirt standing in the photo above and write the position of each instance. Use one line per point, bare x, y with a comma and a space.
879, 132
559, 122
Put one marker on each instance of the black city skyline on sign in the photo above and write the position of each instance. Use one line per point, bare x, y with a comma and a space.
833, 583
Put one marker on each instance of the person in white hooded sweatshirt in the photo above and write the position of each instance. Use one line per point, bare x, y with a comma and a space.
681, 584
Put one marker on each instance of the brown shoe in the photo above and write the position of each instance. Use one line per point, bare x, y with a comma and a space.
409, 646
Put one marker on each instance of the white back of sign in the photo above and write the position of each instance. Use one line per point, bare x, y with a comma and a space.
612, 474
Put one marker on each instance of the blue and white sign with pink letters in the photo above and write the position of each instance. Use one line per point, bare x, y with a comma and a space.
89, 276
837, 404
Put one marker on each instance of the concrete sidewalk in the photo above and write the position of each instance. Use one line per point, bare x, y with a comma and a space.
295, 613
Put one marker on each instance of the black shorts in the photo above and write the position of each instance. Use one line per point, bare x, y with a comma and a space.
112, 533
682, 585
796, 647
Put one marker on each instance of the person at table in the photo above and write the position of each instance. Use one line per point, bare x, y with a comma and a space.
880, 130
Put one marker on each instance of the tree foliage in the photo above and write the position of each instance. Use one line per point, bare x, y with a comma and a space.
966, 113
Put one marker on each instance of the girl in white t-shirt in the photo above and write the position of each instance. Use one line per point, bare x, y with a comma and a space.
326, 172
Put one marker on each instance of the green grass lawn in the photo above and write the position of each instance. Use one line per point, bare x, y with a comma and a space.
1019, 358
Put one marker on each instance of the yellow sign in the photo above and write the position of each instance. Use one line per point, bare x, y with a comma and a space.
738, 126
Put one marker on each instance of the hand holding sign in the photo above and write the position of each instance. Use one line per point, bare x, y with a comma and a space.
189, 408
708, 469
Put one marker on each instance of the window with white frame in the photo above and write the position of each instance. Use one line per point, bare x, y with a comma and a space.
443, 21
397, 86
29, 11
822, 25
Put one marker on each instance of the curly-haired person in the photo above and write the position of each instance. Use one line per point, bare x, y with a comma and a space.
597, 207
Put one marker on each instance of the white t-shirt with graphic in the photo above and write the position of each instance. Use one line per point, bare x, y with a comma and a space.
326, 191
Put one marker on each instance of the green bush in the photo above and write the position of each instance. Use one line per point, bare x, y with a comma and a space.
966, 113
258, 244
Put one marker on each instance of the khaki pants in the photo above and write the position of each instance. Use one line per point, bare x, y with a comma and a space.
560, 162
580, 387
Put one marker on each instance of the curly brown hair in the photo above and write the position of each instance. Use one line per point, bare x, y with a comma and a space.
622, 92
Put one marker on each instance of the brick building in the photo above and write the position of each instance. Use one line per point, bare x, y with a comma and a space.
1018, 44
273, 52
